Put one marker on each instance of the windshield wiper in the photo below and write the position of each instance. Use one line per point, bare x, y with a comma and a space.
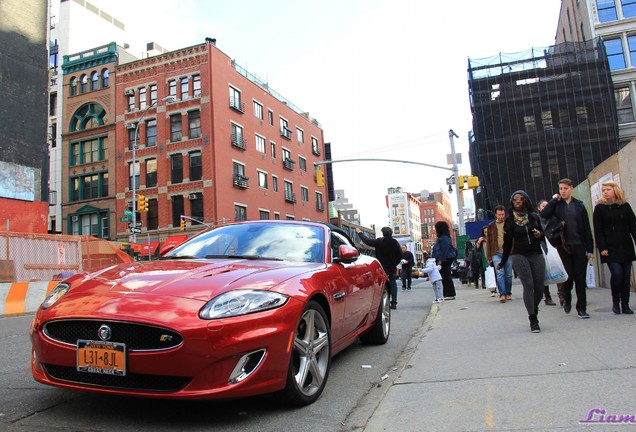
247, 257
179, 257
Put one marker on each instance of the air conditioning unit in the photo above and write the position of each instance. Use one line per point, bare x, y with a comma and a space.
129, 92
193, 196
74, 218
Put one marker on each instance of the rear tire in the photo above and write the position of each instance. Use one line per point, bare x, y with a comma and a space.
310, 357
379, 333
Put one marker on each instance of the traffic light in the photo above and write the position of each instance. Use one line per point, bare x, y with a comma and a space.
182, 226
460, 181
142, 203
320, 177
473, 182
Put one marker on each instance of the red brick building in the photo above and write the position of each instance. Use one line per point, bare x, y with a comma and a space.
228, 149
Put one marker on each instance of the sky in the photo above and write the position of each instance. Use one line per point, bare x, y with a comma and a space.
386, 79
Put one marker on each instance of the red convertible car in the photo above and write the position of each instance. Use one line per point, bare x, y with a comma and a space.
238, 310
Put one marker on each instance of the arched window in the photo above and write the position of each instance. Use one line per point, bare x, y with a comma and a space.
104, 78
83, 83
88, 116
72, 87
94, 81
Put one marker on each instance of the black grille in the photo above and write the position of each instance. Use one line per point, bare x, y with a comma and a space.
137, 337
129, 381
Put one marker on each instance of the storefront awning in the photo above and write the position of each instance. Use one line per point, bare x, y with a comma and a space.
171, 243
149, 248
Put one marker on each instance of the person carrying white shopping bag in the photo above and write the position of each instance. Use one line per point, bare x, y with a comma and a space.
554, 269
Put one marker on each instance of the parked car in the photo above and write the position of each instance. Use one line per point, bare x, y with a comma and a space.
238, 310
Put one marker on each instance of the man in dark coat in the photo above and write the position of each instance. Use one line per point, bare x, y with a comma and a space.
408, 261
578, 246
389, 253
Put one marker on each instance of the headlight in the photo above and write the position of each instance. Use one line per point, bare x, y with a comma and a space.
57, 293
241, 302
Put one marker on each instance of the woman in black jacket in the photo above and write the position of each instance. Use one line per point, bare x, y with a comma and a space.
615, 231
522, 243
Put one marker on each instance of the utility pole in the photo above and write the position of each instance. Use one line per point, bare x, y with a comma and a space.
460, 207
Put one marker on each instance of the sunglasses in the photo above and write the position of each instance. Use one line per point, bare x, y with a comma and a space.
518, 198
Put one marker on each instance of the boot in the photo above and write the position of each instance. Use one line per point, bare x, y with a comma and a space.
627, 310
549, 302
615, 308
534, 324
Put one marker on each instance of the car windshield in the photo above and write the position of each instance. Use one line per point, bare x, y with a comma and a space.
258, 240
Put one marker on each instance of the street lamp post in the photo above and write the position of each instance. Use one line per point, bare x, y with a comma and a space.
460, 207
167, 99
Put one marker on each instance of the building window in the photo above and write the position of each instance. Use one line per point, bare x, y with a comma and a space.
196, 85
289, 191
272, 148
176, 168
546, 120
235, 100
83, 83
142, 98
606, 10
302, 163
535, 164
239, 178
177, 210
631, 43
260, 144
238, 169
185, 92
133, 174
72, 87
53, 137
196, 209
629, 8
304, 194
89, 186
89, 224
75, 154
105, 75
624, 110
91, 150
195, 165
151, 173
240, 212
263, 215
275, 183
270, 117
530, 124
131, 101
194, 124
172, 88
94, 81
262, 179
131, 135
175, 127
88, 116
314, 146
151, 133
614, 51
52, 104
153, 214
284, 129
319, 204
237, 137
276, 216
300, 135
258, 110
153, 94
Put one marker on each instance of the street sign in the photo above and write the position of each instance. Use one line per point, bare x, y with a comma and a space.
128, 212
124, 219
135, 230
137, 224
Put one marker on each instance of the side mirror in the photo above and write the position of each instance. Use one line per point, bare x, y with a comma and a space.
346, 254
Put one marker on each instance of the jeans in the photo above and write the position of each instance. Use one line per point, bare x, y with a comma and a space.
393, 285
575, 264
504, 276
619, 281
438, 289
406, 277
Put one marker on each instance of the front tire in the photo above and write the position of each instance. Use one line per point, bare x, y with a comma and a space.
310, 357
379, 333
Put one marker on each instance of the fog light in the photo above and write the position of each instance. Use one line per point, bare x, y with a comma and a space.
246, 365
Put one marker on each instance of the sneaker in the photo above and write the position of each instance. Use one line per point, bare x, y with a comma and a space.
492, 294
393, 306
449, 298
403, 288
534, 327
502, 299
508, 297
408, 289
583, 315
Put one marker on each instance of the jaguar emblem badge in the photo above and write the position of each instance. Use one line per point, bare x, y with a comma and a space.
104, 332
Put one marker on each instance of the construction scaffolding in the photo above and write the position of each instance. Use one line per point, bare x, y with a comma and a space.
539, 116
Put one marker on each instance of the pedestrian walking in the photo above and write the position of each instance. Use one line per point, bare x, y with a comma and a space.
444, 253
577, 246
431, 268
522, 243
495, 252
408, 261
615, 233
547, 297
389, 253
486, 262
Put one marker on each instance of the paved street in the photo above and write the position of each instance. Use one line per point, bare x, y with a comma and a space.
475, 366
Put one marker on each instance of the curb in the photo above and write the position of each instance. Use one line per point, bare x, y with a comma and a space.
19, 298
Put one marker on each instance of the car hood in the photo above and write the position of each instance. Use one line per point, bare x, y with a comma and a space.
191, 279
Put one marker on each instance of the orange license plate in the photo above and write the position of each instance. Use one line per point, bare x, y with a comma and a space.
101, 357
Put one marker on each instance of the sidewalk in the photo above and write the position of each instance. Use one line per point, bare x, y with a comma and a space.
476, 366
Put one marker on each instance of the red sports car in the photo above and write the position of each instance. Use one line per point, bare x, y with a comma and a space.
238, 310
